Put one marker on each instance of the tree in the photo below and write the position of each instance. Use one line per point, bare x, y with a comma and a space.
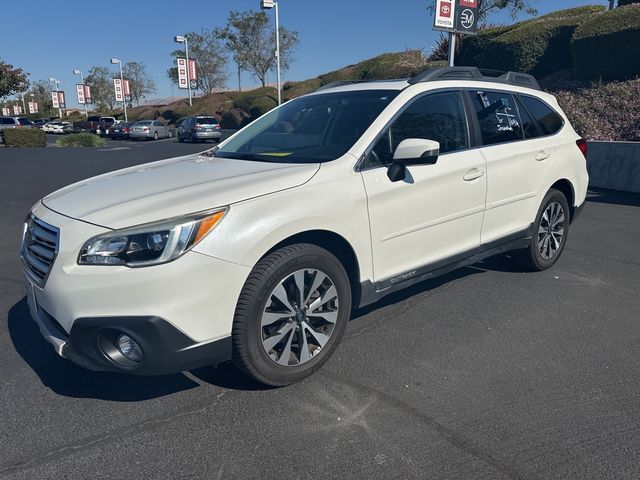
211, 62
41, 91
12, 80
100, 79
139, 80
250, 37
485, 7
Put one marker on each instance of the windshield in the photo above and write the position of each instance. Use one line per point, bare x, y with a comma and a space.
144, 123
312, 129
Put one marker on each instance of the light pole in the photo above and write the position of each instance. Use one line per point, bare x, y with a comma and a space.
183, 39
265, 5
124, 100
79, 72
56, 83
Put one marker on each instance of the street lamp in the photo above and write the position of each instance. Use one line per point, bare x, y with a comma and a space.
267, 5
124, 100
183, 39
78, 72
56, 83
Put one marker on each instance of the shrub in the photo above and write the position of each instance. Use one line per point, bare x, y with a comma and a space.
246, 99
602, 111
81, 140
627, 2
261, 106
606, 47
539, 46
24, 137
297, 89
234, 119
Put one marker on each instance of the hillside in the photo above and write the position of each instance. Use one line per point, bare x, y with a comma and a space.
575, 53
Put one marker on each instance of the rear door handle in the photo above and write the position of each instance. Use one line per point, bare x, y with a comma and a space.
542, 156
473, 174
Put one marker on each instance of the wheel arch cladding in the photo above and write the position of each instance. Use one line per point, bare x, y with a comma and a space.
567, 190
338, 246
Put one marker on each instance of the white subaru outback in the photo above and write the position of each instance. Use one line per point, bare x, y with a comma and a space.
258, 250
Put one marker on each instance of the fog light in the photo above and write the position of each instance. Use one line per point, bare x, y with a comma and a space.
129, 348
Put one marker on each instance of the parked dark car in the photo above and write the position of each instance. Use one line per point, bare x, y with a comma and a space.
120, 130
39, 123
25, 122
201, 127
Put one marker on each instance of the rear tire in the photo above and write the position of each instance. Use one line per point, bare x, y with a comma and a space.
180, 139
550, 232
283, 333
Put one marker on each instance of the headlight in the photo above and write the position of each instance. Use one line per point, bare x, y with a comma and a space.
149, 244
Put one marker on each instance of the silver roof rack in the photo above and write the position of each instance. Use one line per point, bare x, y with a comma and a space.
477, 74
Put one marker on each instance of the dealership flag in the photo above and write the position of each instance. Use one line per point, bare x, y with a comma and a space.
182, 73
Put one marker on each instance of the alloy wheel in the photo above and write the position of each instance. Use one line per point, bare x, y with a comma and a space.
299, 317
551, 230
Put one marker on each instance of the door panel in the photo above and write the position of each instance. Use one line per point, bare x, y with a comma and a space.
519, 169
433, 214
437, 210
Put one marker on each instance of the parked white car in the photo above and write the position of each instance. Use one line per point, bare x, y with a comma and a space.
258, 250
50, 127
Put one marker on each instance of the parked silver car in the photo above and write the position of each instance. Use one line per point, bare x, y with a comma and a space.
199, 128
9, 122
149, 129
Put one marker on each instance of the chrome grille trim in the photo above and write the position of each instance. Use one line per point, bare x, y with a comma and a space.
39, 249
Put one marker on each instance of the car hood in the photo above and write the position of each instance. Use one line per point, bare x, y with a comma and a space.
171, 188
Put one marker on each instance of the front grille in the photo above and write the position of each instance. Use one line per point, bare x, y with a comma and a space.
39, 249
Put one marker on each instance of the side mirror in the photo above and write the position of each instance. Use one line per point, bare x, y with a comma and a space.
412, 151
417, 151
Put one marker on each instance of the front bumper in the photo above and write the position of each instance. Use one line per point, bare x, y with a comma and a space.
181, 312
90, 344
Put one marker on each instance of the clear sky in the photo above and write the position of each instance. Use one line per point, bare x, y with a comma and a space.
50, 39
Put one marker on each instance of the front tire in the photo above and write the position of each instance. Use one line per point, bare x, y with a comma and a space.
291, 314
550, 232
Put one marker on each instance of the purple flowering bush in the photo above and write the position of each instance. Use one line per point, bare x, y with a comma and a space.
604, 111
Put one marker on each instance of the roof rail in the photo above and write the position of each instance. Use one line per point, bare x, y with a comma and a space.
474, 73
340, 83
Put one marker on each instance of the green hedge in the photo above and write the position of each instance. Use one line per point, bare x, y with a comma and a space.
245, 99
539, 46
24, 137
607, 46
261, 106
81, 140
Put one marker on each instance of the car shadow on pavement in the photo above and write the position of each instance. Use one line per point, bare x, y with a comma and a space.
65, 378
614, 197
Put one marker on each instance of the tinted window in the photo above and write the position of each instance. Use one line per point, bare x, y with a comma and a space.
6, 121
207, 121
438, 117
497, 117
144, 123
315, 128
550, 122
528, 124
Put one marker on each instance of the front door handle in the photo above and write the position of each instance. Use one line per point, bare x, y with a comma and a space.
473, 174
542, 156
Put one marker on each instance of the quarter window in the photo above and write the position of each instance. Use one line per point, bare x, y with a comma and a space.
439, 117
497, 117
550, 122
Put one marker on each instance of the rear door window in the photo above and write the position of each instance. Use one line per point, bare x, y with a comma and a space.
497, 116
529, 126
549, 120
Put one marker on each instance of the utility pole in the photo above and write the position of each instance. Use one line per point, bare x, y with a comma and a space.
612, 4
268, 4
452, 49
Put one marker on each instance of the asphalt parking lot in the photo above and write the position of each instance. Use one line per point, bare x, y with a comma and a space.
488, 372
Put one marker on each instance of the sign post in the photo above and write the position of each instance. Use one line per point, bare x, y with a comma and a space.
456, 17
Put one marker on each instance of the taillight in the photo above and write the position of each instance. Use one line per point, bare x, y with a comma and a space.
218, 127
145, 129
125, 129
582, 145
